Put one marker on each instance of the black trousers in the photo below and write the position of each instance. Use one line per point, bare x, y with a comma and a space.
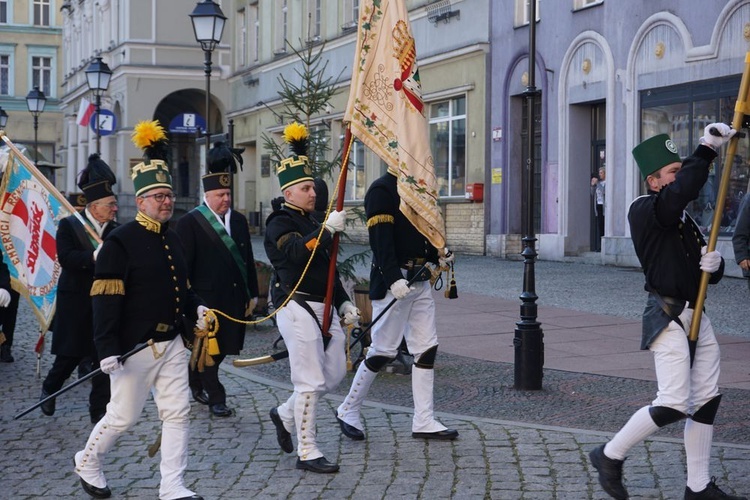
63, 367
8, 318
209, 381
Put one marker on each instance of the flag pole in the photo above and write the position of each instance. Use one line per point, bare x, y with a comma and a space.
335, 246
741, 109
49, 186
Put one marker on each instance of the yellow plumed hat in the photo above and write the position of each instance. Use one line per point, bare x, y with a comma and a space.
296, 168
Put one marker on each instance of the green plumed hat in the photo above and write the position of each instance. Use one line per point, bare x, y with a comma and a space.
655, 153
153, 171
296, 168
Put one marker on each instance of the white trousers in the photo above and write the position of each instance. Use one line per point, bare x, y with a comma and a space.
163, 371
411, 318
679, 386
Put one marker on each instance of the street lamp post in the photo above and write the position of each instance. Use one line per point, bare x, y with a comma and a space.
528, 343
3, 119
208, 25
98, 75
35, 101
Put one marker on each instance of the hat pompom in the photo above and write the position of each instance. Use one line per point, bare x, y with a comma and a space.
222, 158
96, 171
150, 136
296, 135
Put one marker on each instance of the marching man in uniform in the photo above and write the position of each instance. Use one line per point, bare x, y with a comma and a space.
317, 360
221, 269
141, 292
399, 251
672, 253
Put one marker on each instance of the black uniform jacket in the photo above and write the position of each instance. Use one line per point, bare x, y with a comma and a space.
393, 238
73, 326
215, 275
668, 242
140, 288
290, 237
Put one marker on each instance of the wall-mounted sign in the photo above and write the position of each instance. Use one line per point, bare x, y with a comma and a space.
187, 123
107, 122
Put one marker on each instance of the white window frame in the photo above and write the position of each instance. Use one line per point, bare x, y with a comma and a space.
8, 11
9, 52
523, 8
254, 38
450, 118
45, 52
314, 19
43, 5
582, 4
350, 14
282, 19
241, 34
357, 160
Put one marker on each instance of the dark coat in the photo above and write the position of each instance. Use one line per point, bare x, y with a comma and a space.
140, 289
214, 275
741, 236
73, 327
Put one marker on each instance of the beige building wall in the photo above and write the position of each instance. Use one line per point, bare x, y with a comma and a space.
27, 36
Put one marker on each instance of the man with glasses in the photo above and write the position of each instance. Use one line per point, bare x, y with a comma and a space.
72, 337
141, 293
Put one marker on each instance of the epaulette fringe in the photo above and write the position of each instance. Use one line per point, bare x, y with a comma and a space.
380, 219
108, 287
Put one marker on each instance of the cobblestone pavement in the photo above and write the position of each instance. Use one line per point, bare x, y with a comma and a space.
512, 445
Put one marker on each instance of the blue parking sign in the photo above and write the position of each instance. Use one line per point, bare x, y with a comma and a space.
107, 122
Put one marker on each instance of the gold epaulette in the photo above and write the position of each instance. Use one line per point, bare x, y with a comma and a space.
108, 287
379, 219
286, 237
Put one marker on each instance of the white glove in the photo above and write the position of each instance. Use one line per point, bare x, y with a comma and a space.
201, 324
98, 249
110, 365
251, 306
4, 297
446, 258
349, 312
710, 261
336, 221
401, 289
716, 141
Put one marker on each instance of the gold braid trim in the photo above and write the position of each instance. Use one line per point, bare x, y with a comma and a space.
108, 287
206, 345
150, 224
379, 219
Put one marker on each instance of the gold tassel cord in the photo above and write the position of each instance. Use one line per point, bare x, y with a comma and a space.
206, 344
451, 291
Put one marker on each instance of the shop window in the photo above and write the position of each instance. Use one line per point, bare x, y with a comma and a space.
683, 112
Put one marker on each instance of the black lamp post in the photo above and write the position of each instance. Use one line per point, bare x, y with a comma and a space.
3, 119
529, 347
208, 24
35, 101
97, 77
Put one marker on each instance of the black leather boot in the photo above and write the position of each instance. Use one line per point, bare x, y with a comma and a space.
5, 355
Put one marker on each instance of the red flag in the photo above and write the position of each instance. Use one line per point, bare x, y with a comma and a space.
85, 112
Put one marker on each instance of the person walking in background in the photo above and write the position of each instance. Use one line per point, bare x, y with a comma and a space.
672, 253
72, 337
221, 269
741, 238
598, 185
141, 293
317, 359
399, 251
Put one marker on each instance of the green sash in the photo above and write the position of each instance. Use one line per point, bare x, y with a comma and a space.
221, 232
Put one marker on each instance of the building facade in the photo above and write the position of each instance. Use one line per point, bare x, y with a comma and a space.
158, 72
30, 52
452, 44
611, 74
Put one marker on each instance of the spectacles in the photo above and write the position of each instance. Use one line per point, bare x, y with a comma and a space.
111, 204
160, 197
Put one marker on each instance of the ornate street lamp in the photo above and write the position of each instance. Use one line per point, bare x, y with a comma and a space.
35, 101
98, 75
528, 340
208, 25
3, 119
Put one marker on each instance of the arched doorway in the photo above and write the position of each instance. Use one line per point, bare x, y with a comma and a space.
182, 114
